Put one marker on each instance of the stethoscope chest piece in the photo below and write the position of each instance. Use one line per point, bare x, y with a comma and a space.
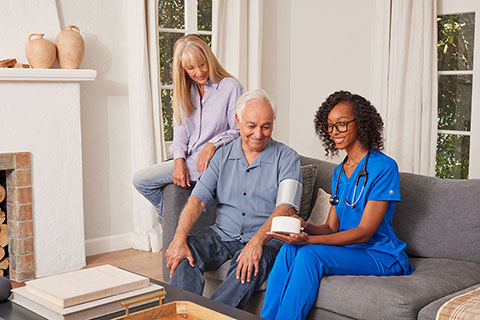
334, 199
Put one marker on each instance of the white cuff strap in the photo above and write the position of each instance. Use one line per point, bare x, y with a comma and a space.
289, 193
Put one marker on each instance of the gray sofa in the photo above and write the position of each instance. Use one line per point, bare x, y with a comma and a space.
438, 219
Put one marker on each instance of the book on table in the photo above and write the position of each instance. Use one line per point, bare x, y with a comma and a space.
87, 310
72, 288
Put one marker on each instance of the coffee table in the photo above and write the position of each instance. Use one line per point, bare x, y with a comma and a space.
12, 311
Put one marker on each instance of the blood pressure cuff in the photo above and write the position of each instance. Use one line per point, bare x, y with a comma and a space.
289, 193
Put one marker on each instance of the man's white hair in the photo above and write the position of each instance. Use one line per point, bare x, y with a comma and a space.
257, 94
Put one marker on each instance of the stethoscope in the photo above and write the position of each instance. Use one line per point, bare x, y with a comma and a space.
334, 200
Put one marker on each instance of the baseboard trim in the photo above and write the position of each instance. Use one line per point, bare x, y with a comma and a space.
108, 244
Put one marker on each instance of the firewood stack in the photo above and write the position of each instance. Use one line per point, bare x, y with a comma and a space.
3, 235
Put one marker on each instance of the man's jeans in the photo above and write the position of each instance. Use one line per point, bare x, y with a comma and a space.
150, 182
209, 253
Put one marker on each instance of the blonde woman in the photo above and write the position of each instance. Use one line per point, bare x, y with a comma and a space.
204, 101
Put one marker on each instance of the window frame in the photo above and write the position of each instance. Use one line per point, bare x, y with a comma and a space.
447, 7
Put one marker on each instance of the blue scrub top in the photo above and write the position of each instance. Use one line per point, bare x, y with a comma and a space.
383, 184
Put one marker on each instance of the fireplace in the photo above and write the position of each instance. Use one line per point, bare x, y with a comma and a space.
16, 170
40, 113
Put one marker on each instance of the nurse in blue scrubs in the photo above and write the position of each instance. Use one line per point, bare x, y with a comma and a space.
358, 237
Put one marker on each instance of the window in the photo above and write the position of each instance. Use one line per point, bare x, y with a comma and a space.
458, 139
175, 19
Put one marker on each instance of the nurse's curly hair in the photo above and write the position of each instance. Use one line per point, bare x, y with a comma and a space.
368, 120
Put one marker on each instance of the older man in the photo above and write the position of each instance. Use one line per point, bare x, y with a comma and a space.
245, 177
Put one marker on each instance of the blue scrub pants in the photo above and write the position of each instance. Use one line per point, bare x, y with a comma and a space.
294, 280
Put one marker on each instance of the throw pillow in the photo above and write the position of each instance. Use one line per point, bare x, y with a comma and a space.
309, 175
321, 208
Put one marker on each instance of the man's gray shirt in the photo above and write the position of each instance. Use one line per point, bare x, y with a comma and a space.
246, 193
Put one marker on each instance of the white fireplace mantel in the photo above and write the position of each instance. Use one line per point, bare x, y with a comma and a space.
40, 114
47, 75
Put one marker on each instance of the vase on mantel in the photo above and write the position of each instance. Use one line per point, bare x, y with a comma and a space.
70, 47
40, 52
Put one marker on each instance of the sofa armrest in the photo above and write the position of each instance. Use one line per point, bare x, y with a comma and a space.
430, 310
174, 199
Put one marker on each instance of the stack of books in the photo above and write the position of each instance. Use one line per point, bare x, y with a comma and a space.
83, 294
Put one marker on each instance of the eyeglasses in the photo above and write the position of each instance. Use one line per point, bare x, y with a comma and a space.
341, 126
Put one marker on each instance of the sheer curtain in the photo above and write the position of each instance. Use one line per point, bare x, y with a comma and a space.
144, 114
237, 39
410, 91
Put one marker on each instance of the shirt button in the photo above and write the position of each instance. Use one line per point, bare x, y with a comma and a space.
241, 233
243, 213
244, 193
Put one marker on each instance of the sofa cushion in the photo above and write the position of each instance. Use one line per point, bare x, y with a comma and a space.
402, 297
317, 313
438, 218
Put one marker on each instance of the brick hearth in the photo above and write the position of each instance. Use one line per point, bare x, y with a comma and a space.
18, 169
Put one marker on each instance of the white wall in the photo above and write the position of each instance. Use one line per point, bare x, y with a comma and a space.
316, 48
276, 62
19, 19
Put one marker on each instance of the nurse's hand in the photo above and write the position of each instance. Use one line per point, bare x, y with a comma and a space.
180, 173
292, 238
204, 157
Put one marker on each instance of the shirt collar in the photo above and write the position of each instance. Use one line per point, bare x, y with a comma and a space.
209, 84
194, 90
237, 152
212, 84
267, 154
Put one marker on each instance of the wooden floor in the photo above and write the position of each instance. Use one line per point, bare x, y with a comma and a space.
146, 263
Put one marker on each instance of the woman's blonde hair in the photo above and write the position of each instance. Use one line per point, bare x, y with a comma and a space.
191, 48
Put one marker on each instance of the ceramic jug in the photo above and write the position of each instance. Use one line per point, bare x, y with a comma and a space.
70, 47
40, 52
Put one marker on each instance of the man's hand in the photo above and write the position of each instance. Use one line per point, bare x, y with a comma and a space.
292, 238
204, 157
176, 252
248, 260
180, 173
